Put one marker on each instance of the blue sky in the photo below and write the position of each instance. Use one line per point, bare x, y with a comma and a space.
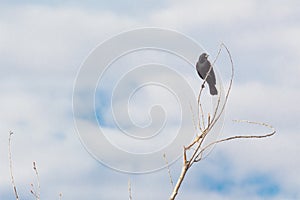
43, 43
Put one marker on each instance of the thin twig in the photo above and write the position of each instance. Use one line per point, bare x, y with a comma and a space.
273, 131
169, 171
220, 91
32, 191
193, 117
11, 166
200, 109
129, 189
214, 120
35, 193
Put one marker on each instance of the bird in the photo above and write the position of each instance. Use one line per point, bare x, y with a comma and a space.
203, 66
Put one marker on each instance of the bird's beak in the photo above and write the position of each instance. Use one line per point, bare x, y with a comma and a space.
206, 56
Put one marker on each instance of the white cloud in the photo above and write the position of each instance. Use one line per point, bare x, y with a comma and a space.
276, 104
48, 38
189, 15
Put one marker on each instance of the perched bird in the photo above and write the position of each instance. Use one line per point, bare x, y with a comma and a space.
203, 66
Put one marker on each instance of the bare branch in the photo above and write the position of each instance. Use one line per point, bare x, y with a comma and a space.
215, 119
11, 167
181, 177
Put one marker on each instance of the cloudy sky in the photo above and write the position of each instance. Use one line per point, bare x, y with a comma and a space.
44, 43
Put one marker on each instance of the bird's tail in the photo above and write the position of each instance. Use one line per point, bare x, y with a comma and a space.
213, 90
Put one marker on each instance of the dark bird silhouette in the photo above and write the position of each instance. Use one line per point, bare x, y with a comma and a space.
203, 65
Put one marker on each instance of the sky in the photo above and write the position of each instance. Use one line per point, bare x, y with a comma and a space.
43, 44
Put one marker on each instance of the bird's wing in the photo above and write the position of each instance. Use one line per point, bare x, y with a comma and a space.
198, 67
211, 77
